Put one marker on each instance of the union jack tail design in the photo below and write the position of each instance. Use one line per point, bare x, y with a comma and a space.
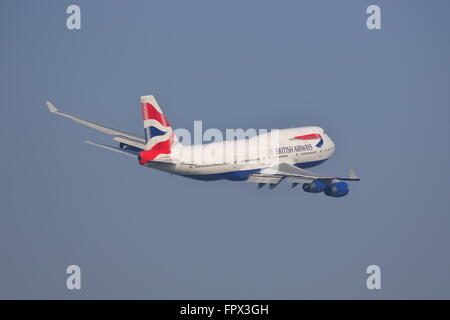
159, 136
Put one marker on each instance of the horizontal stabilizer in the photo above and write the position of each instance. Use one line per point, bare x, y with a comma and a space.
131, 142
115, 149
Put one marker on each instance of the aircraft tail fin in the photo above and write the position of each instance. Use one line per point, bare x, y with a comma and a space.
159, 136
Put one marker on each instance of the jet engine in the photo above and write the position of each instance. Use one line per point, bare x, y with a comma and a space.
314, 187
338, 189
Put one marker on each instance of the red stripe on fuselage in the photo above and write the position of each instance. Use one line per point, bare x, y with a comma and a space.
309, 136
150, 112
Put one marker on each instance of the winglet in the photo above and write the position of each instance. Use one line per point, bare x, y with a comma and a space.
51, 107
352, 174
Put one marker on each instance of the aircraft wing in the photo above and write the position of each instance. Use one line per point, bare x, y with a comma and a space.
121, 136
274, 175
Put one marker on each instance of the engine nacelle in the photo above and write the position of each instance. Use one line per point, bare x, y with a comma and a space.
314, 187
338, 189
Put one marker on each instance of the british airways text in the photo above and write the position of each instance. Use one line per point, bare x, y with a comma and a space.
289, 149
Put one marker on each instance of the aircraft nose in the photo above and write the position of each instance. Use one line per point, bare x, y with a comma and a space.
332, 145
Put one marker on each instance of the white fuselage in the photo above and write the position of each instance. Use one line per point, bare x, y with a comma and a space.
235, 160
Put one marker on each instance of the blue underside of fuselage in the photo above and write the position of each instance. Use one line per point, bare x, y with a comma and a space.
305, 165
244, 174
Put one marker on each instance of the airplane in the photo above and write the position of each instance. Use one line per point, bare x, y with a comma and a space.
267, 158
